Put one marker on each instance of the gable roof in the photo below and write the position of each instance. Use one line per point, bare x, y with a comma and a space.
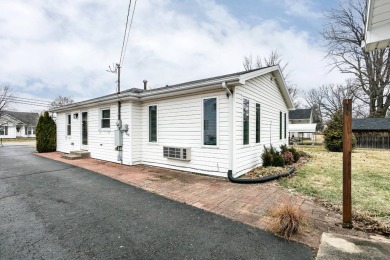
26, 118
300, 114
371, 124
189, 87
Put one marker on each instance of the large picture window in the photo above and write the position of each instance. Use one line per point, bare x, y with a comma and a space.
4, 130
152, 123
257, 123
245, 121
68, 125
105, 121
210, 121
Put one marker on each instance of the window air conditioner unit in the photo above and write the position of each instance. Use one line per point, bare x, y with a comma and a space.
177, 153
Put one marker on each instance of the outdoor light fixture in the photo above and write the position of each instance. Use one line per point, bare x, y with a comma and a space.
76, 115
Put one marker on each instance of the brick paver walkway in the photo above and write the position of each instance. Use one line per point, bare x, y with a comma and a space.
247, 203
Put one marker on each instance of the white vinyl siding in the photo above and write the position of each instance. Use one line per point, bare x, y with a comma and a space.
180, 125
264, 91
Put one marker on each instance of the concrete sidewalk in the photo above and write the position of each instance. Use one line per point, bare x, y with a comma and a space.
249, 204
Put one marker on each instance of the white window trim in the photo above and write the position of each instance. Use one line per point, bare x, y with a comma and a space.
148, 122
3, 126
249, 125
103, 129
66, 124
202, 123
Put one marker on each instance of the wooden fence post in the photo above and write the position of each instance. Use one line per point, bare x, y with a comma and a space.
347, 149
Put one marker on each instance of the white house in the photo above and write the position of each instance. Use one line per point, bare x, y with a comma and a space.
377, 27
301, 124
205, 126
17, 124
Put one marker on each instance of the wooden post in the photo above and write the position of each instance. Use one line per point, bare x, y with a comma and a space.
347, 149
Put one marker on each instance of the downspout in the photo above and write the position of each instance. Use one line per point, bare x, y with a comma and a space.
229, 95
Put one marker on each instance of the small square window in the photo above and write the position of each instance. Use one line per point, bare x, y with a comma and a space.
105, 121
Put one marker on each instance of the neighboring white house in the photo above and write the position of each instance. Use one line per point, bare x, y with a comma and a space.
301, 124
17, 124
377, 27
206, 126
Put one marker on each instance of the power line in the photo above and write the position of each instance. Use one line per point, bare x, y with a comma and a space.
124, 36
31, 104
29, 99
128, 34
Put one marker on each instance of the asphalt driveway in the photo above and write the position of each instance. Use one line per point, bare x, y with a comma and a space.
52, 210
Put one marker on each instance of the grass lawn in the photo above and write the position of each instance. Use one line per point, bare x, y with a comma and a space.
321, 177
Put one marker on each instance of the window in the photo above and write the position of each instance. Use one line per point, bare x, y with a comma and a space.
105, 121
280, 125
285, 125
152, 124
68, 124
3, 130
29, 130
245, 110
257, 123
210, 121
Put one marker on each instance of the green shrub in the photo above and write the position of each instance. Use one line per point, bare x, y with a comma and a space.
278, 160
295, 153
267, 157
333, 134
46, 134
283, 148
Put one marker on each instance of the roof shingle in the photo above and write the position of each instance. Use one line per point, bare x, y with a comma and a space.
371, 124
299, 114
25, 117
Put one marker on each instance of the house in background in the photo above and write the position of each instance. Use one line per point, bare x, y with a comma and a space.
372, 132
301, 125
17, 124
206, 126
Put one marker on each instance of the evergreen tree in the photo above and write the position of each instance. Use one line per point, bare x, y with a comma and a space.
46, 134
333, 133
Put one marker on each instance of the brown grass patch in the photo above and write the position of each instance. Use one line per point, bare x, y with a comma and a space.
288, 220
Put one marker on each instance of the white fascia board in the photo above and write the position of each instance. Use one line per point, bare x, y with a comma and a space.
250, 75
96, 101
279, 80
187, 88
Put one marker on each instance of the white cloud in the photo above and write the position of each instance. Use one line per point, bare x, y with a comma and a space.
66, 46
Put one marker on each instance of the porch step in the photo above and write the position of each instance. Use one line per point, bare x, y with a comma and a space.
75, 155
83, 154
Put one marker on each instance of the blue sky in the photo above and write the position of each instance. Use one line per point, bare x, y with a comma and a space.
64, 48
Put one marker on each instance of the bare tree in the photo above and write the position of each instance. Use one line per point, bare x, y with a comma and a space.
5, 98
343, 35
61, 101
328, 99
274, 59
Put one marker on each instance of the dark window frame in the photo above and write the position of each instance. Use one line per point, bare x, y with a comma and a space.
285, 125
258, 123
153, 133
245, 121
68, 124
280, 125
208, 138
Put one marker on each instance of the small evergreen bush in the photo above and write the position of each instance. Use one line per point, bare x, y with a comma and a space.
267, 157
333, 134
46, 134
278, 160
